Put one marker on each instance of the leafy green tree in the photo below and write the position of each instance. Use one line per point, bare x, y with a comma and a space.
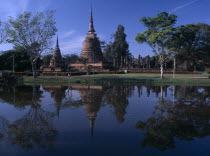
191, 45
84, 61
199, 51
107, 53
4, 33
46, 60
158, 35
120, 47
69, 59
21, 59
34, 33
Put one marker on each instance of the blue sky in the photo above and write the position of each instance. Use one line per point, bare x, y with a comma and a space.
72, 17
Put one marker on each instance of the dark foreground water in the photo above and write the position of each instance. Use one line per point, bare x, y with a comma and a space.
104, 120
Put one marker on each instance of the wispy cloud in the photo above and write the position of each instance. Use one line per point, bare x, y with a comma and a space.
70, 41
183, 6
73, 45
66, 34
12, 7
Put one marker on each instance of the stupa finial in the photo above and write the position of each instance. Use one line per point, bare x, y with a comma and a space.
91, 27
57, 44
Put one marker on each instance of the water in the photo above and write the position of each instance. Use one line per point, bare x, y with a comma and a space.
104, 120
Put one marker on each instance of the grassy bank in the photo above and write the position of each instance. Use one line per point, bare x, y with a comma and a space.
104, 79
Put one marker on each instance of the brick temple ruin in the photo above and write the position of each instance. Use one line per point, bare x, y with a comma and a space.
56, 61
91, 52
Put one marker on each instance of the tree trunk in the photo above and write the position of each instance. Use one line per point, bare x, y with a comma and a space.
194, 68
161, 71
174, 68
34, 68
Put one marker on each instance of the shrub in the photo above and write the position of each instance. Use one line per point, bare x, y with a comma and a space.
26, 73
208, 70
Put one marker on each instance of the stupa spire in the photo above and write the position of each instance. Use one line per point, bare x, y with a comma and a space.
91, 26
92, 122
57, 44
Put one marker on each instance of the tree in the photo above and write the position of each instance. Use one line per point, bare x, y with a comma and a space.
34, 33
120, 47
158, 35
21, 58
69, 59
183, 36
46, 60
199, 49
191, 45
4, 33
107, 53
84, 61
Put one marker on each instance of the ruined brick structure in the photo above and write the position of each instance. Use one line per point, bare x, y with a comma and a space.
91, 51
91, 46
56, 60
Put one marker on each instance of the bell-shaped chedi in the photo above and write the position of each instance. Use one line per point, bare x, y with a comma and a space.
56, 60
91, 58
91, 45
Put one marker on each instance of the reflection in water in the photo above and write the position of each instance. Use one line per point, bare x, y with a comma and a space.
180, 112
91, 97
4, 123
117, 97
21, 96
185, 119
58, 93
35, 128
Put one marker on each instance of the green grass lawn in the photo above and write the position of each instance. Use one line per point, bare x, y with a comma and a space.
134, 78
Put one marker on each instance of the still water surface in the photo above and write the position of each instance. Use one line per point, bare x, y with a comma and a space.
104, 120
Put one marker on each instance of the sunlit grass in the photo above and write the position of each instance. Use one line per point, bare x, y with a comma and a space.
106, 79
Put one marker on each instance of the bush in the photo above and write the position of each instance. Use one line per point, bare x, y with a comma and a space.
78, 73
208, 70
26, 73
62, 73
55, 74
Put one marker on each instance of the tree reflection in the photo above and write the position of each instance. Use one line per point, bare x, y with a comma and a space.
21, 96
33, 129
118, 98
184, 119
3, 127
